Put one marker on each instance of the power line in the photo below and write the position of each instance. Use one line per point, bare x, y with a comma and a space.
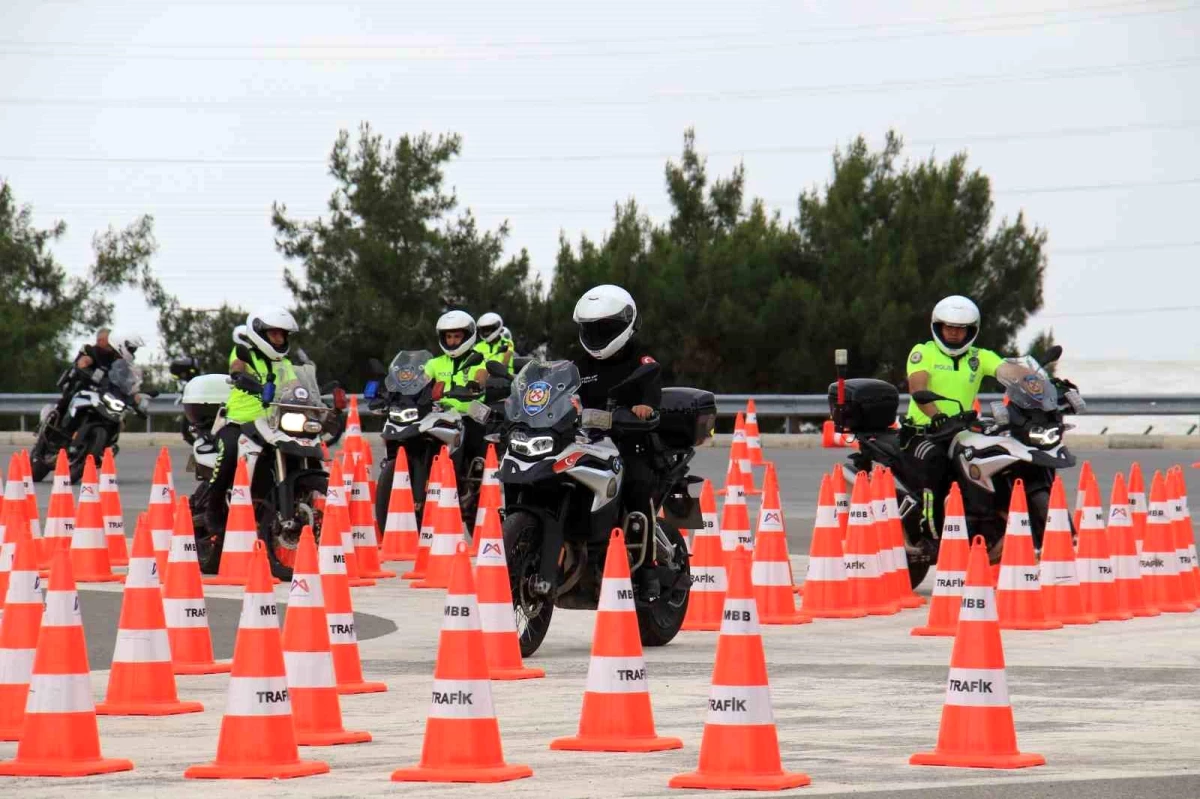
1161, 245
309, 105
1119, 312
783, 149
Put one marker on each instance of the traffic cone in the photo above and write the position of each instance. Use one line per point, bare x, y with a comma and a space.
1085, 475
1179, 524
861, 556
1019, 589
832, 439
183, 602
165, 454
13, 524
339, 610
429, 514
59, 737
1094, 565
32, 514
1137, 505
1189, 531
707, 598
21, 621
1061, 597
365, 530
89, 549
977, 729
400, 533
258, 735
740, 747
753, 439
161, 514
352, 437
951, 573
616, 714
771, 573
735, 518
496, 619
462, 736
447, 532
826, 589
907, 597
887, 565
336, 523
312, 687
141, 682
241, 531
1160, 559
1131, 596
110, 509
60, 514
489, 495
841, 500
740, 458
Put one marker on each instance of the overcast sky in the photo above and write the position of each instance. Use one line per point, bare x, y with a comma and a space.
202, 112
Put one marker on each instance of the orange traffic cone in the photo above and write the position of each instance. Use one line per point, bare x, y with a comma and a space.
489, 495
977, 729
161, 513
1189, 532
241, 531
496, 619
906, 596
21, 621
735, 518
429, 514
165, 455
1127, 569
753, 439
616, 715
59, 737
89, 549
707, 598
1138, 508
1179, 525
826, 588
841, 500
362, 523
141, 682
312, 687
13, 523
861, 556
32, 514
110, 509
1085, 475
336, 524
740, 747
400, 533
1160, 559
1061, 596
447, 532
339, 611
462, 736
1094, 565
1019, 589
771, 572
352, 437
258, 735
888, 568
183, 602
60, 513
740, 458
951, 574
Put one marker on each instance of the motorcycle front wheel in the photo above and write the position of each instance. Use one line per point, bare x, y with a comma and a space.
282, 535
523, 547
92, 446
39, 462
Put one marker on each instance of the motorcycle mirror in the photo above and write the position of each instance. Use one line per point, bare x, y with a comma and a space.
372, 390
376, 366
497, 369
474, 358
926, 397
301, 357
1051, 355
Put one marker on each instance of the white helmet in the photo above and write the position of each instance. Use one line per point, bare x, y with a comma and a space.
491, 326
462, 322
239, 336
957, 311
607, 319
126, 344
270, 317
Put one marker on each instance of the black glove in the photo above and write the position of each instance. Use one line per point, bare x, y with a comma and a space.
248, 383
938, 422
377, 404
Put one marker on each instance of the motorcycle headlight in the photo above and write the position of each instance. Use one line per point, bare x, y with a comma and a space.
312, 427
1044, 436
113, 403
405, 416
532, 447
292, 422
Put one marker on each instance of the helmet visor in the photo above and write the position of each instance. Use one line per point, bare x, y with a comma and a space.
598, 334
487, 331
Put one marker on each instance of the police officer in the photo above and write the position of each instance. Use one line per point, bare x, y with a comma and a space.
108, 349
495, 342
457, 338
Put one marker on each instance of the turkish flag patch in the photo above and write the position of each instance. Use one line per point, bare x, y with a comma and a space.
647, 359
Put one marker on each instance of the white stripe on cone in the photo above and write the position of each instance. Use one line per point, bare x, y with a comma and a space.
977, 688
142, 646
341, 628
184, 613
739, 617
739, 705
617, 675
258, 696
616, 594
62, 609
461, 699
309, 669
60, 693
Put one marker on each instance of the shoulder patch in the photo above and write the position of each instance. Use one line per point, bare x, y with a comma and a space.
648, 359
915, 357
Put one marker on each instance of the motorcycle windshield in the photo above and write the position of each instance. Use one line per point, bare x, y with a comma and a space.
124, 377
303, 390
406, 375
543, 394
1028, 386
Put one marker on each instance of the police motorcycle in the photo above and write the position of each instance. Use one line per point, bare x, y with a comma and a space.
283, 457
96, 413
562, 470
1023, 439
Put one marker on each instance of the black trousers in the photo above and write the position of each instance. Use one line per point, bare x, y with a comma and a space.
222, 476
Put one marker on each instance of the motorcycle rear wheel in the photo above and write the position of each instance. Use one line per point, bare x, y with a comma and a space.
659, 621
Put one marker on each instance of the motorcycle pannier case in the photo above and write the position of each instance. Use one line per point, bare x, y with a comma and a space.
203, 397
687, 416
871, 405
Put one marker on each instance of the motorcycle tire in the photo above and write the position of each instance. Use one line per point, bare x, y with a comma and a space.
523, 548
93, 446
659, 621
208, 547
267, 529
38, 465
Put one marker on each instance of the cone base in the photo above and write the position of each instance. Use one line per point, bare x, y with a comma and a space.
943, 632
398, 557
1143, 613
424, 583
1018, 760
413, 574
884, 610
701, 627
1176, 607
201, 668
516, 673
115, 562
382, 574
577, 743
1031, 624
910, 601
1116, 615
798, 618
360, 582
492, 774
75, 768
1076, 619
100, 578
147, 708
332, 738
10, 733
216, 579
837, 614
740, 782
258, 771
361, 688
